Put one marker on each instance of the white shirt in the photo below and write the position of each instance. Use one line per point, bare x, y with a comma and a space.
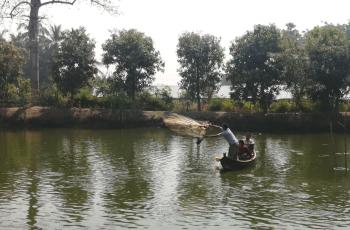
229, 136
250, 142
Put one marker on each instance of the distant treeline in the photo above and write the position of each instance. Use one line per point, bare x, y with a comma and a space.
314, 66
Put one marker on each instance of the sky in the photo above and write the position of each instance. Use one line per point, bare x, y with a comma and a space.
166, 20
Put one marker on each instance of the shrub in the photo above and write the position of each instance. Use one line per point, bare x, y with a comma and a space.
308, 106
281, 106
147, 101
85, 99
215, 104
121, 101
24, 91
52, 97
221, 104
228, 105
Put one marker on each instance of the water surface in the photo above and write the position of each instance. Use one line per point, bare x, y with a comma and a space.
153, 179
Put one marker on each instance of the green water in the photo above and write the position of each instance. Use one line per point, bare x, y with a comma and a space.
153, 179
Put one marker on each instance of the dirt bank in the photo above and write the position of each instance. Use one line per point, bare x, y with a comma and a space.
78, 117
107, 118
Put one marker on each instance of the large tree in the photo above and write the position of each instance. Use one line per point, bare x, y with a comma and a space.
74, 62
328, 48
30, 8
294, 64
201, 60
135, 59
252, 69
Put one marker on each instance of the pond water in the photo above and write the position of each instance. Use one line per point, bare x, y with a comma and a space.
154, 179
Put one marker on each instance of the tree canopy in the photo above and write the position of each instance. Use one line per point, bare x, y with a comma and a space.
30, 8
11, 62
74, 63
252, 69
135, 59
328, 50
294, 63
201, 60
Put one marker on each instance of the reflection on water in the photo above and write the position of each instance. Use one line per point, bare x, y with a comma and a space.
151, 178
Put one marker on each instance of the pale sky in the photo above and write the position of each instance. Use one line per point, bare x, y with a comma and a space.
165, 20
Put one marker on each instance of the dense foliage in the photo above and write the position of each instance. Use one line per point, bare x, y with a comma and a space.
135, 59
200, 58
313, 66
11, 82
74, 62
30, 10
328, 51
253, 69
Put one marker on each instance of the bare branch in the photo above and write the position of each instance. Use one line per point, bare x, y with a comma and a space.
16, 6
58, 1
106, 5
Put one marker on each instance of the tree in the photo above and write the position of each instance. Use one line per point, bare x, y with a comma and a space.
328, 50
74, 63
11, 62
201, 59
135, 58
46, 49
295, 64
14, 8
252, 69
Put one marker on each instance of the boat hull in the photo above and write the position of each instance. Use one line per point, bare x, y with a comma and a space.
229, 164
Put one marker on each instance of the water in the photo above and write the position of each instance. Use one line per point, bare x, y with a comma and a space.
153, 179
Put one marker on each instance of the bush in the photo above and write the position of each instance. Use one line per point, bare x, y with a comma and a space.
215, 104
308, 106
85, 99
228, 105
281, 106
150, 102
52, 97
120, 101
24, 91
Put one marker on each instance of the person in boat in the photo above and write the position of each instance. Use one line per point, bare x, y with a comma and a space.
249, 142
230, 138
243, 151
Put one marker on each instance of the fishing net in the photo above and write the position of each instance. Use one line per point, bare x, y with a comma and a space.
185, 126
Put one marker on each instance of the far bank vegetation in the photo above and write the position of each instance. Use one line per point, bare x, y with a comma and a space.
313, 67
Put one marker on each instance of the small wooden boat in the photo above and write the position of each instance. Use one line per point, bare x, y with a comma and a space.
229, 164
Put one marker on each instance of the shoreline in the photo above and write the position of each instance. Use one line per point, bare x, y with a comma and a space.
50, 117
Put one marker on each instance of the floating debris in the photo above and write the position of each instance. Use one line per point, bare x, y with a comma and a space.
340, 169
304, 184
323, 155
342, 153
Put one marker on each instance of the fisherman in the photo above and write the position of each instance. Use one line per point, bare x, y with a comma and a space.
230, 138
249, 142
243, 151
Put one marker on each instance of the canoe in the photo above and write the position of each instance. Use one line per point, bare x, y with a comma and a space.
229, 164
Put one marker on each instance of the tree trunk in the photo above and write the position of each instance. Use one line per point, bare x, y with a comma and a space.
133, 87
33, 45
198, 102
198, 92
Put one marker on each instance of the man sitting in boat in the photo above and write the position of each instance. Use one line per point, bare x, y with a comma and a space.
230, 138
243, 151
249, 142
